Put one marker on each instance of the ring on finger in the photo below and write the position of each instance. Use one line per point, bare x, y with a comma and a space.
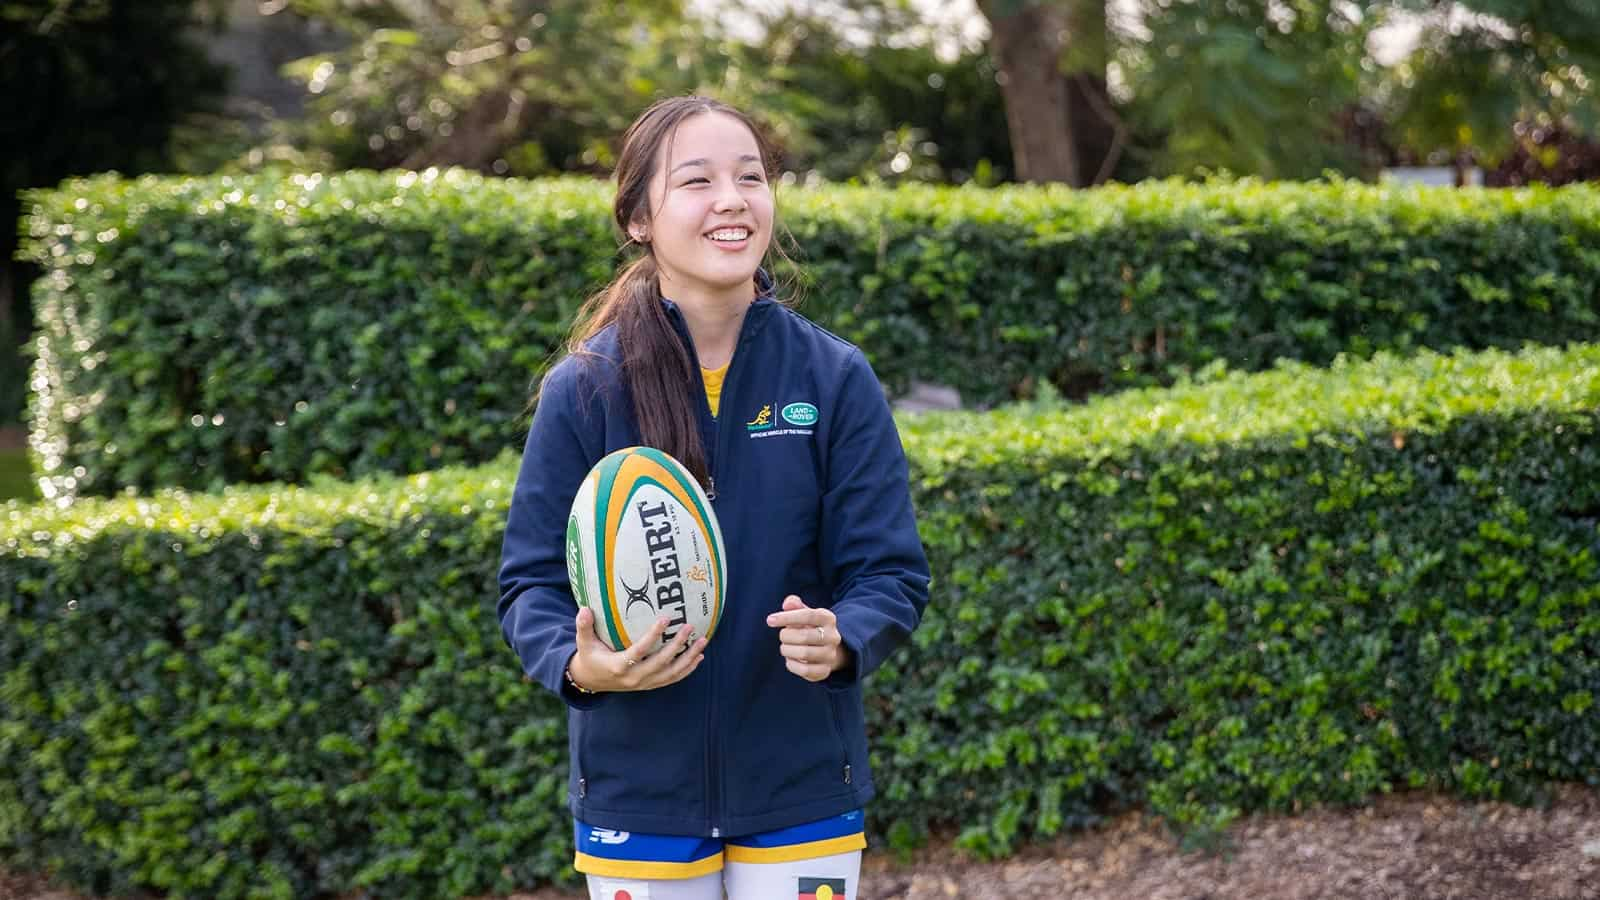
822, 633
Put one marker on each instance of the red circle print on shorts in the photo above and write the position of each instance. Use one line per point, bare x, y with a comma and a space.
622, 895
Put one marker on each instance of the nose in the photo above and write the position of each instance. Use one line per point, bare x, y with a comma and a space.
729, 200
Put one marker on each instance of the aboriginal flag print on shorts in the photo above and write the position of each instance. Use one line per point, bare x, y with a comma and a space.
822, 889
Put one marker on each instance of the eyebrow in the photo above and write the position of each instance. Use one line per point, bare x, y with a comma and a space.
747, 158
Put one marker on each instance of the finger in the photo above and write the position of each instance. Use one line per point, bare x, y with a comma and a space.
791, 605
816, 635
686, 636
673, 667
662, 659
800, 618
647, 645
801, 653
806, 670
685, 664
586, 636
630, 658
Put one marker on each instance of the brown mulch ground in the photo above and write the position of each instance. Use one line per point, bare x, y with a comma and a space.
12, 438
1410, 847
1406, 848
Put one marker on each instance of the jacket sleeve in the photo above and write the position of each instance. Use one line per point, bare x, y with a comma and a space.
870, 547
536, 608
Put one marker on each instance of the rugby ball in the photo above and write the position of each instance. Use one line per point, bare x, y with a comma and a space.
643, 542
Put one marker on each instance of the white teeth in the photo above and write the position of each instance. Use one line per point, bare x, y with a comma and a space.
730, 234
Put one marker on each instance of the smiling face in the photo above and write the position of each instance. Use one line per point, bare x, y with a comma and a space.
713, 211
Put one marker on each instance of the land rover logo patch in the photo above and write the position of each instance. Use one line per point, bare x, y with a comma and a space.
802, 414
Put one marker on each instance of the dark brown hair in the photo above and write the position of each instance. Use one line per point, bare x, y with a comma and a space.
657, 367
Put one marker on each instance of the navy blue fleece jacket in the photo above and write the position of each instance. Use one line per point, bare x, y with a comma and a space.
810, 487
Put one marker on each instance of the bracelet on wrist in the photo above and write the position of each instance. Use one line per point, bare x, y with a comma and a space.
574, 682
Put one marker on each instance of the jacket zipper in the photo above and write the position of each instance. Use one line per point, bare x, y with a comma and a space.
713, 783
838, 734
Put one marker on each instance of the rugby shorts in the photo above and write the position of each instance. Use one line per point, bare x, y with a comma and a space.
623, 854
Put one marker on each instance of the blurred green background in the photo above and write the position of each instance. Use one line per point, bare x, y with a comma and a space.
889, 94
1079, 92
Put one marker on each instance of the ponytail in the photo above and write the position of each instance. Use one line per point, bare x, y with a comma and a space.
656, 366
659, 370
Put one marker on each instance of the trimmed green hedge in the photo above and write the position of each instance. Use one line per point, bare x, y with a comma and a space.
196, 332
1290, 588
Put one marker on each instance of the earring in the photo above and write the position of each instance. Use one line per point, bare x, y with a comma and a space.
638, 236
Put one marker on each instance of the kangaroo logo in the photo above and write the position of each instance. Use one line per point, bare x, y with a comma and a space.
640, 594
762, 421
697, 573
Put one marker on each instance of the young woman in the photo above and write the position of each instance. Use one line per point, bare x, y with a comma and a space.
739, 765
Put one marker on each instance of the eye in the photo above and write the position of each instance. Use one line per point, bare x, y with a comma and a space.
697, 180
753, 177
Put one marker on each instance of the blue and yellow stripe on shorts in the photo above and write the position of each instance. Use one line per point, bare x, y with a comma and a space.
825, 837
621, 854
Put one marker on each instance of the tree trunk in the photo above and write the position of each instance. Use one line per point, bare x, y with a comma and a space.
480, 134
1027, 42
1093, 119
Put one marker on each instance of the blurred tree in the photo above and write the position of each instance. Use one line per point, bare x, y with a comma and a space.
91, 85
1547, 155
527, 88
851, 97
1251, 86
1248, 85
1270, 87
1482, 65
506, 86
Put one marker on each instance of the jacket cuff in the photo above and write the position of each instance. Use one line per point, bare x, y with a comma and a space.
850, 675
573, 697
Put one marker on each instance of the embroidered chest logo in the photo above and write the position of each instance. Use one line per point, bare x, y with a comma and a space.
802, 414
795, 419
762, 421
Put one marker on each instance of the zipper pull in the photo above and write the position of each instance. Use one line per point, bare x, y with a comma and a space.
711, 488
